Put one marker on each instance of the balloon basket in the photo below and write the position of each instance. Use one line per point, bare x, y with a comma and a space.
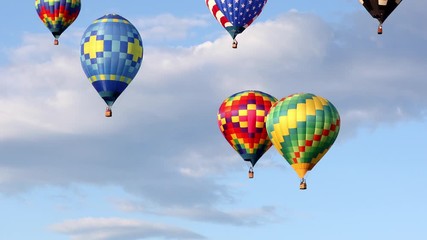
303, 185
108, 112
251, 173
234, 45
56, 42
380, 30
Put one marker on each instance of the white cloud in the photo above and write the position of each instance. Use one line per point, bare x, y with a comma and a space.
247, 217
295, 52
45, 91
53, 130
120, 229
238, 217
169, 27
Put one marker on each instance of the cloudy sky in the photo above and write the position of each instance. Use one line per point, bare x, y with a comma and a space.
161, 169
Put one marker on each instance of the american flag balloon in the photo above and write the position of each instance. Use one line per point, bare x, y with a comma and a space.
235, 15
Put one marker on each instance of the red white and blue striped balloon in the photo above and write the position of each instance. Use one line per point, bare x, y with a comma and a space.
235, 15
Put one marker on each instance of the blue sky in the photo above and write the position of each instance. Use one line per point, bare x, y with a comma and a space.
160, 168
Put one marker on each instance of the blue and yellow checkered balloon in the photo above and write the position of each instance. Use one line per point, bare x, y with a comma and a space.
111, 55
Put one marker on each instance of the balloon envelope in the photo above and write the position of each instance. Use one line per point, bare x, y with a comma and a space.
235, 15
111, 55
57, 15
380, 9
241, 119
302, 127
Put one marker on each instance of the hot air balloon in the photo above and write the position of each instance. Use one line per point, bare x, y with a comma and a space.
380, 9
111, 55
302, 127
241, 119
57, 15
235, 15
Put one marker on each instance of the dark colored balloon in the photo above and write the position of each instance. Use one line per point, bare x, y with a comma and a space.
380, 9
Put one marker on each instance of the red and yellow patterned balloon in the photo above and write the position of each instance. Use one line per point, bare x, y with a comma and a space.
241, 119
57, 15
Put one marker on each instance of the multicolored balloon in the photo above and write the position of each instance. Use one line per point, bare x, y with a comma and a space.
303, 127
111, 55
241, 119
235, 15
57, 15
380, 9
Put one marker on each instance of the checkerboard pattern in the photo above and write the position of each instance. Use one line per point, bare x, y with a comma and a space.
57, 15
111, 55
303, 127
241, 119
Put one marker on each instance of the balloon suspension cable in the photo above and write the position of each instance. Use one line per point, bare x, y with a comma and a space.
234, 45
108, 112
251, 172
56, 42
303, 184
380, 29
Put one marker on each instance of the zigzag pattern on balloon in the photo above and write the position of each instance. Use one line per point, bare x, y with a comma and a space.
303, 127
241, 119
58, 15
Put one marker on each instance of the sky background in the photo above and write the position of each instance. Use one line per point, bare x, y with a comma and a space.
161, 169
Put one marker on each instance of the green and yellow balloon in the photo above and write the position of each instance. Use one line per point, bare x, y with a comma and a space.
302, 127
